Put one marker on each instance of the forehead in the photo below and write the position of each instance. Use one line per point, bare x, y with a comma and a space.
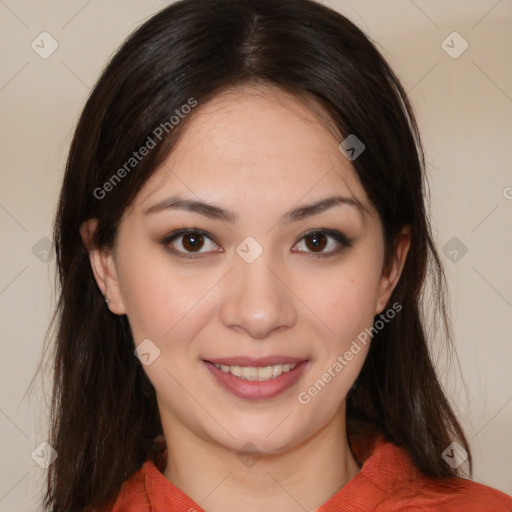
258, 140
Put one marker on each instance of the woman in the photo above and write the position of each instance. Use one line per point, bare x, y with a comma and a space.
242, 248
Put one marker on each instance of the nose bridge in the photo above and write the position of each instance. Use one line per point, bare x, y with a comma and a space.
256, 300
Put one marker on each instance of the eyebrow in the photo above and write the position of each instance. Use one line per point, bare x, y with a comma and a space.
215, 212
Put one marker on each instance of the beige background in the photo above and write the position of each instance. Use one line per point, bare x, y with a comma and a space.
464, 108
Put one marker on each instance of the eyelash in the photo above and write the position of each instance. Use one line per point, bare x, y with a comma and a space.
343, 241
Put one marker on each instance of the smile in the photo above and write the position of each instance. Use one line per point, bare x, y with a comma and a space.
261, 382
260, 373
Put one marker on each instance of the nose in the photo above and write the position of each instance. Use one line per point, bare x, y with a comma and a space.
257, 300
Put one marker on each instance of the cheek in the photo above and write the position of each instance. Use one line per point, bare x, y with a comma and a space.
344, 298
162, 301
346, 307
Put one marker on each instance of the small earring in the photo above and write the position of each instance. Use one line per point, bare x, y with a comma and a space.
107, 300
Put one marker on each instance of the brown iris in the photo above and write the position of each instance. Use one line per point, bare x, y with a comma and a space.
193, 241
316, 242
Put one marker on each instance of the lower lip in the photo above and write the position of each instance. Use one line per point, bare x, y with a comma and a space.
253, 389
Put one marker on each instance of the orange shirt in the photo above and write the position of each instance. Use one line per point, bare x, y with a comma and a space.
387, 482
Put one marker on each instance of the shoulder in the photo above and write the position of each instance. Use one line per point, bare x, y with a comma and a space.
402, 487
389, 481
148, 490
133, 496
455, 494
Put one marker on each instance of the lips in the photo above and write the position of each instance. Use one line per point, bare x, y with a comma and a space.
255, 361
248, 388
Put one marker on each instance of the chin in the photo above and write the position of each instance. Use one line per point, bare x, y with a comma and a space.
268, 437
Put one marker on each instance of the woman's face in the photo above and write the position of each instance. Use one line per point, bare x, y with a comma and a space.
268, 254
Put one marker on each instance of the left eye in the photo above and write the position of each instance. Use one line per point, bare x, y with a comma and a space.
323, 242
191, 242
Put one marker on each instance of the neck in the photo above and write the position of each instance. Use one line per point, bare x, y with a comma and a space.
295, 480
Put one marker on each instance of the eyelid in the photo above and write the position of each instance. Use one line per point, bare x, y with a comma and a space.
186, 231
166, 242
344, 242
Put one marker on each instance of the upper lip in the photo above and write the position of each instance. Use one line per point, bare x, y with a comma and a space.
255, 361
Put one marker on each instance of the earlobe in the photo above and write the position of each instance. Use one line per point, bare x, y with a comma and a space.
104, 269
392, 272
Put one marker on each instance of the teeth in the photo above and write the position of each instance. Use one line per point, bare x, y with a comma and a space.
260, 373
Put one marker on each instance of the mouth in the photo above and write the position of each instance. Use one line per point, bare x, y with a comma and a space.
251, 378
258, 373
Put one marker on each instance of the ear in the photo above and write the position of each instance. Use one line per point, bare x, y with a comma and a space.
393, 270
103, 267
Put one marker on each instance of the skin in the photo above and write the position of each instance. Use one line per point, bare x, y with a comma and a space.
258, 152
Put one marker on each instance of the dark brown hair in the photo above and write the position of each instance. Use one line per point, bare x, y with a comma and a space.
104, 415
